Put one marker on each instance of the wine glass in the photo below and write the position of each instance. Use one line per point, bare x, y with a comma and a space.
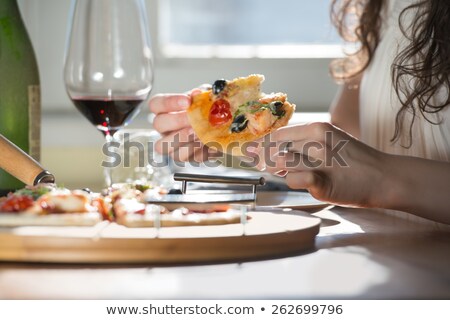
108, 64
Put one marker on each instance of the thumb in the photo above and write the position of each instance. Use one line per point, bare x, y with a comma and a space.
310, 180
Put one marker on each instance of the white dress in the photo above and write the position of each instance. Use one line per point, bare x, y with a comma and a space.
379, 105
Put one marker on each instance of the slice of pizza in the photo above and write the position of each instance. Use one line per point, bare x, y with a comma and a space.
132, 209
46, 205
235, 112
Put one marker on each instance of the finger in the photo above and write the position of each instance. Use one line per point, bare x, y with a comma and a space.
257, 152
168, 122
268, 147
171, 141
195, 152
292, 162
203, 154
268, 152
164, 103
267, 155
313, 131
303, 150
204, 87
185, 151
310, 149
303, 180
315, 182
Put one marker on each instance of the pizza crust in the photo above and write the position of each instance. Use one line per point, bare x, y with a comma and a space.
133, 220
55, 219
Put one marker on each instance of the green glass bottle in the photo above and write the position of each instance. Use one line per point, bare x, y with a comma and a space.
20, 102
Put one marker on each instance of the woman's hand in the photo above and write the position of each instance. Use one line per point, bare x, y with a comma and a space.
178, 138
332, 165
337, 168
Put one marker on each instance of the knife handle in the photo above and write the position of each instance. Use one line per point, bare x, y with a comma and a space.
19, 164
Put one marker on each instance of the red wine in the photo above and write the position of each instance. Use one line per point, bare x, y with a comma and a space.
108, 115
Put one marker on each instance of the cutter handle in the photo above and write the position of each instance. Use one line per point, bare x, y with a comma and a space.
188, 177
19, 164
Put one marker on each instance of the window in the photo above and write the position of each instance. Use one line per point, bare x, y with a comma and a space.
247, 29
291, 42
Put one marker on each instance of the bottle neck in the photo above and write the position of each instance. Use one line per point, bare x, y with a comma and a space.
8, 8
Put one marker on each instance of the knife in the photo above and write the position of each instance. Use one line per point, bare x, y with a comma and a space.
20, 165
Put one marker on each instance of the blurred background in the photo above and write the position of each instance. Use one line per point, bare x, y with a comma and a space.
291, 42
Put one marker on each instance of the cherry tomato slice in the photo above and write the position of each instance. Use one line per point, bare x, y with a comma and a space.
220, 112
15, 203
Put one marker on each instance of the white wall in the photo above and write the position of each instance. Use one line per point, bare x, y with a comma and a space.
305, 80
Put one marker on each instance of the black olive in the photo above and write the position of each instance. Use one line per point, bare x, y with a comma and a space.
87, 190
278, 104
276, 108
239, 123
175, 191
218, 86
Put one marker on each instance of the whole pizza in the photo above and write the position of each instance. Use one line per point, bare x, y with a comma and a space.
126, 204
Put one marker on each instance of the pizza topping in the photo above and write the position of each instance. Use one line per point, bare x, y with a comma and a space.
218, 86
249, 106
128, 206
103, 207
256, 115
48, 199
275, 107
16, 203
259, 122
239, 123
74, 202
220, 112
35, 191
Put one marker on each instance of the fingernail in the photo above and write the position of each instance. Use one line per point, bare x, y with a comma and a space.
190, 132
261, 166
184, 102
281, 173
251, 150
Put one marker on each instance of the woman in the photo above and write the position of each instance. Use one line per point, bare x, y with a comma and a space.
394, 99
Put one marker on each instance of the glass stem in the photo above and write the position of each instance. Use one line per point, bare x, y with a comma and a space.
111, 144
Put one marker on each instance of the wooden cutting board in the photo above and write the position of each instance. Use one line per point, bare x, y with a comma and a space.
266, 235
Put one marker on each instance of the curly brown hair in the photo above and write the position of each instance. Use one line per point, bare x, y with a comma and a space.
425, 59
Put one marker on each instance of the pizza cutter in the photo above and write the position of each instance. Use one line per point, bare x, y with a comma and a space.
202, 202
19, 164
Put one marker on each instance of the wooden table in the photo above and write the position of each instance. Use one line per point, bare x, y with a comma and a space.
359, 253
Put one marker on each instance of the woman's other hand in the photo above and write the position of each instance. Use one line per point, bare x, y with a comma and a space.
178, 138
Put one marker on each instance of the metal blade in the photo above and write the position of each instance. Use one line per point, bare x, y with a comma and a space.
200, 201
